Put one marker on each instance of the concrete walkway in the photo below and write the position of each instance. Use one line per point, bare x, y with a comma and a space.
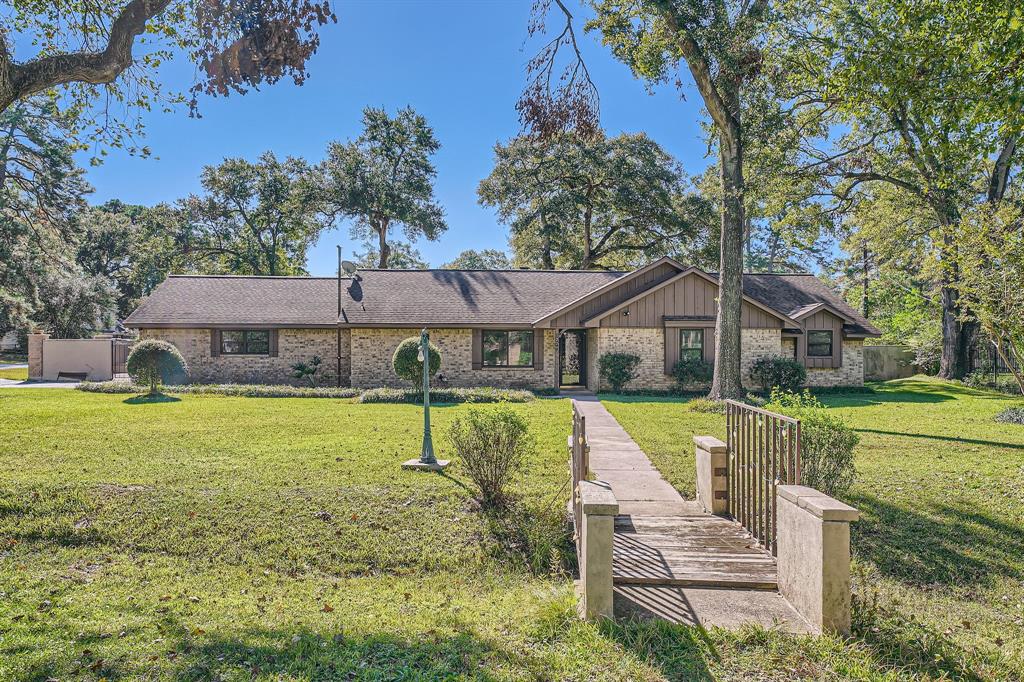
672, 560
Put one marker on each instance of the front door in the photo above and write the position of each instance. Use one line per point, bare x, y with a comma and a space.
572, 357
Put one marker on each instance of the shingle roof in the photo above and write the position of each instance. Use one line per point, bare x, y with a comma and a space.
377, 297
416, 297
792, 294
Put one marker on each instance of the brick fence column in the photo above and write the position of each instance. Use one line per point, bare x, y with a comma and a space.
35, 355
712, 462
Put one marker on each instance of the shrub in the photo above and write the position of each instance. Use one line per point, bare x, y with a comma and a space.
828, 442
307, 370
618, 369
1011, 415
446, 395
706, 405
407, 365
492, 445
237, 390
152, 361
689, 371
778, 371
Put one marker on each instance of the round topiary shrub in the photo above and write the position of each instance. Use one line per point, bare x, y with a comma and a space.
407, 365
778, 371
152, 362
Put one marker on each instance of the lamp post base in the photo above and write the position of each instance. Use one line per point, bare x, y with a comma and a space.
417, 465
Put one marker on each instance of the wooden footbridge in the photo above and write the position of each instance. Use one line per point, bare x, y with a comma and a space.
670, 558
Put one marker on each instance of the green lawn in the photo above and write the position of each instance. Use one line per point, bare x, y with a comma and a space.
16, 373
240, 538
940, 547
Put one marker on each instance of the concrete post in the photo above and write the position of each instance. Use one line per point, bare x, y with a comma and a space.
599, 510
35, 355
712, 462
814, 556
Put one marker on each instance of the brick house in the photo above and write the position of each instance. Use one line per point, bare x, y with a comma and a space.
507, 328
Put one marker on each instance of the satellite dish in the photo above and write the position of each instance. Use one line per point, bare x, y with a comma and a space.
349, 268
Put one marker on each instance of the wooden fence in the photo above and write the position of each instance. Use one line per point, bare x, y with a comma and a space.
764, 452
579, 465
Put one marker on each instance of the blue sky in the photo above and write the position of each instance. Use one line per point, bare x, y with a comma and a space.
459, 63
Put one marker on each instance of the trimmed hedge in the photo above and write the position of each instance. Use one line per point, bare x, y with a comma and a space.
618, 369
446, 395
239, 390
406, 363
778, 371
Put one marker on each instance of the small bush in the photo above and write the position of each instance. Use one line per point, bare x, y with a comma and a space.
691, 371
406, 364
618, 369
446, 395
706, 405
152, 361
828, 442
491, 445
307, 370
778, 371
1011, 415
236, 390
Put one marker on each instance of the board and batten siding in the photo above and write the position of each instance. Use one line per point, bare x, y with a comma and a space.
573, 318
821, 321
691, 296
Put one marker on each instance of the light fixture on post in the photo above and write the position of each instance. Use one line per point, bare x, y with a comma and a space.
427, 460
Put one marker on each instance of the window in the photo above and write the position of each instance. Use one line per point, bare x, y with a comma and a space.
248, 342
819, 344
691, 344
508, 348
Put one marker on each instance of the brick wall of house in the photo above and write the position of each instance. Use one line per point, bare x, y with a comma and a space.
754, 344
293, 345
646, 342
850, 374
373, 349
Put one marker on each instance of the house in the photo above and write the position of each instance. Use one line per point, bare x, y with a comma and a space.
507, 328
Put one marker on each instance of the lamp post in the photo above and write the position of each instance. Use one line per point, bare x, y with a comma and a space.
427, 460
427, 454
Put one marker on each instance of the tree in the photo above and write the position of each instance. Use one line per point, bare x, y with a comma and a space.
940, 127
86, 47
72, 305
386, 177
486, 259
581, 203
254, 219
990, 261
719, 44
404, 256
153, 361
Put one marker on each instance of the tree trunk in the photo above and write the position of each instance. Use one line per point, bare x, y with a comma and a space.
956, 334
864, 283
727, 381
385, 248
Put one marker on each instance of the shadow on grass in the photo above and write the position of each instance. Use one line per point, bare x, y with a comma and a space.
949, 439
148, 398
938, 544
680, 652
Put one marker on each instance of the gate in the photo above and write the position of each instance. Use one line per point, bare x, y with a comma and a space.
764, 452
119, 349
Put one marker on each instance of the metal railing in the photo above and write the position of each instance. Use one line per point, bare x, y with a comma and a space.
579, 466
764, 452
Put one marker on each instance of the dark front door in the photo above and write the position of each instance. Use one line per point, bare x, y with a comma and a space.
572, 358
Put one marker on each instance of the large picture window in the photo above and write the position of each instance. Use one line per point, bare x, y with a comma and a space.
512, 348
245, 342
819, 344
691, 344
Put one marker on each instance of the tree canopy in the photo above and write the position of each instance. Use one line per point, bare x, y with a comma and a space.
385, 177
581, 203
486, 259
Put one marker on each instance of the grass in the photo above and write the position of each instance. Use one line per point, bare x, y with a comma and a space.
213, 537
939, 551
16, 373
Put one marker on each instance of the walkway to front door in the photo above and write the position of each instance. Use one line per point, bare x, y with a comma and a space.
671, 559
